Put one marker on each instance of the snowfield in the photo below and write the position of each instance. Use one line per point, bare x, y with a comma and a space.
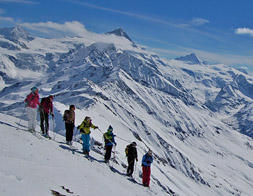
34, 165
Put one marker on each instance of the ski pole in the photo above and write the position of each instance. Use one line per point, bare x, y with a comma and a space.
100, 130
75, 136
21, 118
123, 139
53, 124
114, 152
56, 133
134, 169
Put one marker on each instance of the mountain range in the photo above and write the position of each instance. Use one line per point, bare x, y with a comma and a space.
195, 116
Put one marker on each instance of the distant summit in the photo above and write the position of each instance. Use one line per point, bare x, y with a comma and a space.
120, 32
15, 33
190, 59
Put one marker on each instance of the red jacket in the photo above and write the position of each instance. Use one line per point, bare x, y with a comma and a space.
32, 100
47, 105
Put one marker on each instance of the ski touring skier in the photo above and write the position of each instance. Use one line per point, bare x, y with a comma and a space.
146, 170
109, 141
131, 153
69, 118
31, 102
46, 108
85, 131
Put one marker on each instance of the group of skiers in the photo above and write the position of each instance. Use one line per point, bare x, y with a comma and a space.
46, 109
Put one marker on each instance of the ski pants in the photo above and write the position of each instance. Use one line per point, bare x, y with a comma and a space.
44, 117
32, 118
146, 171
69, 131
130, 168
108, 152
86, 142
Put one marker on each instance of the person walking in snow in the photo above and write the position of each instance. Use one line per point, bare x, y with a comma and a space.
70, 124
131, 153
109, 141
46, 109
85, 131
31, 102
146, 171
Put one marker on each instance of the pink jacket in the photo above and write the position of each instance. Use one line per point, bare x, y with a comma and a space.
47, 105
32, 100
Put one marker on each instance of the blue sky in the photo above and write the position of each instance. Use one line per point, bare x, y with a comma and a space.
219, 31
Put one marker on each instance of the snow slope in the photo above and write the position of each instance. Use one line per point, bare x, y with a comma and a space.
33, 165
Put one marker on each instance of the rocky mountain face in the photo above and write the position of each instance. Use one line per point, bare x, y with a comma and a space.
190, 59
15, 37
120, 32
182, 112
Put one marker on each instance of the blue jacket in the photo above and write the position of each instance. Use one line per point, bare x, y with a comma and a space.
109, 138
147, 160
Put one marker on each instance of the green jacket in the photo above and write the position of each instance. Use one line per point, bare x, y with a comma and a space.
85, 127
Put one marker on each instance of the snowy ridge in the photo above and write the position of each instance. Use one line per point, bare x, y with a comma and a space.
190, 59
120, 32
164, 105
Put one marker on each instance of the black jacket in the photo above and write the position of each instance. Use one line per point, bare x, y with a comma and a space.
132, 152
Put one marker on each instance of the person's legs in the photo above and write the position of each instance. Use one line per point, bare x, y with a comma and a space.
130, 168
69, 132
86, 143
146, 175
46, 122
30, 118
67, 126
34, 121
42, 122
108, 152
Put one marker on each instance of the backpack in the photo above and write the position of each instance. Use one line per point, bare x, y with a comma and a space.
66, 115
126, 150
42, 100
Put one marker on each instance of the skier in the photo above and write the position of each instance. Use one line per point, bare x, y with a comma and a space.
70, 124
85, 131
146, 171
109, 141
131, 153
31, 102
46, 109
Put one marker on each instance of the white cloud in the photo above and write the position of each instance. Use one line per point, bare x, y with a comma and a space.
244, 31
194, 22
7, 19
73, 28
198, 21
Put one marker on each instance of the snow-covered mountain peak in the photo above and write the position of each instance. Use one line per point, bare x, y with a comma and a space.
120, 32
190, 59
15, 33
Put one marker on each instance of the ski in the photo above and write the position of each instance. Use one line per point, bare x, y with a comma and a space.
132, 180
46, 136
90, 158
36, 135
72, 148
